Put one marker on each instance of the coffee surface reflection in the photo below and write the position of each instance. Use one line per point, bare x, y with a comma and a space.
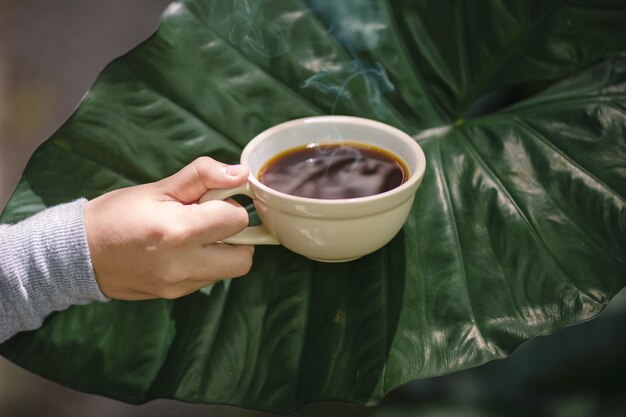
334, 171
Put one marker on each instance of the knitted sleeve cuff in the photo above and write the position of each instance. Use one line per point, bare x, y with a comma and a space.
45, 266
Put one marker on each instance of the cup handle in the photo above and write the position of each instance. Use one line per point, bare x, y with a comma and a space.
254, 235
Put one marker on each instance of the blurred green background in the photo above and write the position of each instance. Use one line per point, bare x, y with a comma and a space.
51, 52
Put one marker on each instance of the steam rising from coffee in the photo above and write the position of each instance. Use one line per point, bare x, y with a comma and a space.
358, 25
373, 76
266, 40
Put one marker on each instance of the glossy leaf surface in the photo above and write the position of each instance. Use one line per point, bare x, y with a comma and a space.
518, 229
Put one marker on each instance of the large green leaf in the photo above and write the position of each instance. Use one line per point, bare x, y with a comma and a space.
518, 229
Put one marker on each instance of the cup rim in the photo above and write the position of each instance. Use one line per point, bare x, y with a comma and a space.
413, 181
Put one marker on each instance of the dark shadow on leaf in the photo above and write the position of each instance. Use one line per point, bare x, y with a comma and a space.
507, 96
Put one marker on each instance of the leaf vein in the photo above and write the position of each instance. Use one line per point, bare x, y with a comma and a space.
305, 326
393, 21
445, 187
101, 164
219, 321
529, 224
286, 87
181, 106
482, 84
386, 309
541, 138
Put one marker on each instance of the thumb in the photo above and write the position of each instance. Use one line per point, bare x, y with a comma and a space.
191, 182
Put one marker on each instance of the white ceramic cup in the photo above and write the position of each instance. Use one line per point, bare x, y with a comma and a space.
326, 230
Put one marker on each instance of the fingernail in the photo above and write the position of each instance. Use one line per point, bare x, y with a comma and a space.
234, 170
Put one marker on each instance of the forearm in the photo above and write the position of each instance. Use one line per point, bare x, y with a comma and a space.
45, 266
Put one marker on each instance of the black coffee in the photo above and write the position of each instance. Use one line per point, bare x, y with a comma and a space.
334, 171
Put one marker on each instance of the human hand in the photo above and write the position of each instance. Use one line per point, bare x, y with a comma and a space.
156, 241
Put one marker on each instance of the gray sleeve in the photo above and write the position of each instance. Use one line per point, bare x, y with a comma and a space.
45, 266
